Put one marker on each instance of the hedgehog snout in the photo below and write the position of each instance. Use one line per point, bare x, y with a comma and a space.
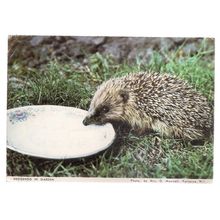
87, 120
94, 118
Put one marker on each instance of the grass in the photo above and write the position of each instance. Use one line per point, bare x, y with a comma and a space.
72, 84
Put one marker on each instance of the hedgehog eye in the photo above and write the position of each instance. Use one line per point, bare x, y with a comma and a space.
105, 109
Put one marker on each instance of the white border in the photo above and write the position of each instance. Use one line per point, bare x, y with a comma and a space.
104, 180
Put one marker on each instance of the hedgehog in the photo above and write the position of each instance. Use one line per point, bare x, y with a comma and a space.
161, 103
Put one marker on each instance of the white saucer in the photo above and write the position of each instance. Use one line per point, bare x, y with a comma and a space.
55, 132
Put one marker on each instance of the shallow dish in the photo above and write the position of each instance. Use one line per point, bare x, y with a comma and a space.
55, 132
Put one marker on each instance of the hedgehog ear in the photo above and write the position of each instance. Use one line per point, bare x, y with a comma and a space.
124, 95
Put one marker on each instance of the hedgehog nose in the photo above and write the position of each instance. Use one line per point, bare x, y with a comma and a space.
86, 121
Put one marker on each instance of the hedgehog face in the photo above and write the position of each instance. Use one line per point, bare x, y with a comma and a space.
106, 107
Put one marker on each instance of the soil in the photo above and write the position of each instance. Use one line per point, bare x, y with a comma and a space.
35, 51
